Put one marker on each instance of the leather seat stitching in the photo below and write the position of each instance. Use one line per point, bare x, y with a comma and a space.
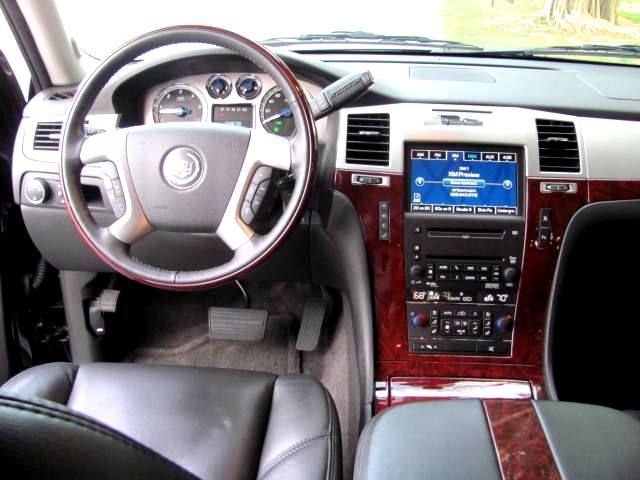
84, 424
290, 451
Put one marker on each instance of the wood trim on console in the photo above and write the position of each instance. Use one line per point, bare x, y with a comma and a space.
519, 441
386, 262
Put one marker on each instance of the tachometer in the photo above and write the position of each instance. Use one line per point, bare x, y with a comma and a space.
275, 113
178, 103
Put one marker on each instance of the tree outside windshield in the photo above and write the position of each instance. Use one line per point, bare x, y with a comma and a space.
101, 26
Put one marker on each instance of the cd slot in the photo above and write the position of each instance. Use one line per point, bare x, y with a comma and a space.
467, 234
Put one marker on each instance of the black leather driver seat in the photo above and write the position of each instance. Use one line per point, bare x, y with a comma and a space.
137, 421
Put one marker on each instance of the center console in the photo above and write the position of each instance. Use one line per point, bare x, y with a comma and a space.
463, 246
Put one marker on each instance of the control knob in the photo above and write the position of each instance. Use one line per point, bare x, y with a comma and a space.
504, 323
420, 320
417, 272
510, 274
36, 191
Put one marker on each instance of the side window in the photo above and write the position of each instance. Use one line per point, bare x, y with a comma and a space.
11, 51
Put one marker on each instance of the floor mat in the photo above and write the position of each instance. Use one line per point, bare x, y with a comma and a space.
192, 346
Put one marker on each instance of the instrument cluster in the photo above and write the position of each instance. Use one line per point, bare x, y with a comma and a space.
248, 100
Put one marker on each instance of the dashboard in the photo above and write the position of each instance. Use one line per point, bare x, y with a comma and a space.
461, 176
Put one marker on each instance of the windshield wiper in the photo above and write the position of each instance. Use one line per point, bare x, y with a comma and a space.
619, 51
372, 38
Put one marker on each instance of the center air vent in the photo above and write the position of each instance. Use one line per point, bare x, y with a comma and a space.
63, 95
368, 139
47, 136
558, 146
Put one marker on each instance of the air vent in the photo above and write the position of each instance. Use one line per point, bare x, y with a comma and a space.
368, 139
558, 146
47, 136
63, 95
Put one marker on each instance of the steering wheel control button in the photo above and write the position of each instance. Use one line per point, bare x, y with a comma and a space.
246, 213
36, 191
183, 168
262, 173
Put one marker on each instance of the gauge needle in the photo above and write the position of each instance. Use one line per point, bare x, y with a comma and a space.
285, 112
179, 111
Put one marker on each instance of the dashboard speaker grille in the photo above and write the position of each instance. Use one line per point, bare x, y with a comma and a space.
47, 136
368, 139
558, 146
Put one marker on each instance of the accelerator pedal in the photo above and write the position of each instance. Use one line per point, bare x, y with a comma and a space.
315, 310
243, 324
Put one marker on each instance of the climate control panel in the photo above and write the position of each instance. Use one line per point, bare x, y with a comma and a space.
462, 277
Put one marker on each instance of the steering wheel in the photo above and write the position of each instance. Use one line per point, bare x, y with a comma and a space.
186, 177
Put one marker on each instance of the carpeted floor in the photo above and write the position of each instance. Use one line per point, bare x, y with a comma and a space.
174, 331
193, 347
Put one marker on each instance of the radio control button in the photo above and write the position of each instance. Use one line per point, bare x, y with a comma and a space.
510, 274
417, 272
443, 267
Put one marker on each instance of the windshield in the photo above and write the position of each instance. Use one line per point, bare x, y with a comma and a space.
100, 26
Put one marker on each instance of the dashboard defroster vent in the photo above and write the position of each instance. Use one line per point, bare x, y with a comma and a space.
368, 139
63, 95
558, 146
47, 136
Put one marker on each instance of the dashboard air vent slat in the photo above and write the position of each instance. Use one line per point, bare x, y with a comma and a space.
368, 139
558, 146
63, 95
47, 136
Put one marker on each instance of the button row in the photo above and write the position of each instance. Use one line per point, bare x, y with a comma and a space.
483, 347
456, 156
255, 193
383, 221
464, 209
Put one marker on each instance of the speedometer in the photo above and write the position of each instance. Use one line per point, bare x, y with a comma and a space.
275, 113
178, 103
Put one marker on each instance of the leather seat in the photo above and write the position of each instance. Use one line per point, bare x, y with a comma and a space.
137, 421
493, 440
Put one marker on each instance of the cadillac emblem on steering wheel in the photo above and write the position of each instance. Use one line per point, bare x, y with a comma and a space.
182, 168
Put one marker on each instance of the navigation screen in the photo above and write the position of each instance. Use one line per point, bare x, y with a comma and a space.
479, 181
239, 115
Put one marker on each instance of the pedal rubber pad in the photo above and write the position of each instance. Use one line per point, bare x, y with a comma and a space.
242, 324
313, 315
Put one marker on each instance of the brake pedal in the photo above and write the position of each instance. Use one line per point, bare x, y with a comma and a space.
315, 310
242, 324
